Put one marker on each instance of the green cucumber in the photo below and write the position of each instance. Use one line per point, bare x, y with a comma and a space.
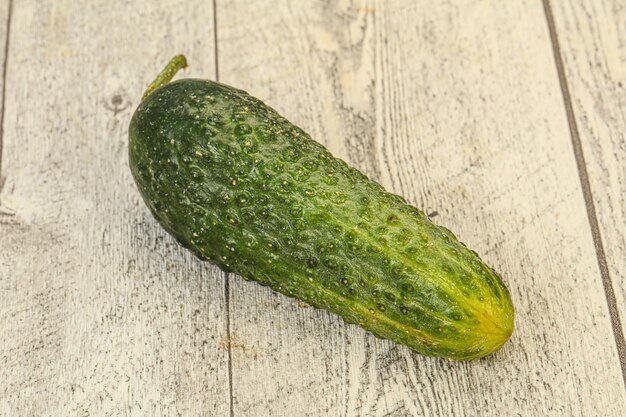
243, 188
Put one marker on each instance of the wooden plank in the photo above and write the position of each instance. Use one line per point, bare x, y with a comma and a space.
455, 105
101, 312
4, 28
591, 36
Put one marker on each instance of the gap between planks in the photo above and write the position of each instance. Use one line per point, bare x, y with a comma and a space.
4, 89
226, 275
587, 193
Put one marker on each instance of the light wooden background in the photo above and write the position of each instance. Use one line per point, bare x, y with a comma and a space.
504, 120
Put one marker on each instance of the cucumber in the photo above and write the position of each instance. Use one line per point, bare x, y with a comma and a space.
243, 188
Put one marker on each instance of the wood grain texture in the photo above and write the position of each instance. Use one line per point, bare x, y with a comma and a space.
5, 11
592, 38
455, 105
102, 314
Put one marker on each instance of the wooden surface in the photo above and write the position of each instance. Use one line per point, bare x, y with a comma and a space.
505, 124
593, 45
101, 312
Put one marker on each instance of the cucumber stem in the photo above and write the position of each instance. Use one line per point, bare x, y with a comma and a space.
165, 76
